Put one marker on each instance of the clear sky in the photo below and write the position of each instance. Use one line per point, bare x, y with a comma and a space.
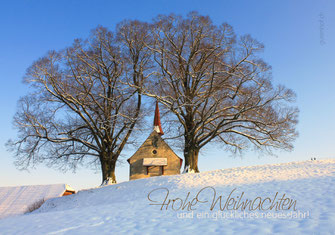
299, 39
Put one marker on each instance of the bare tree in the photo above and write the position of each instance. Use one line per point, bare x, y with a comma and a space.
81, 105
87, 99
218, 88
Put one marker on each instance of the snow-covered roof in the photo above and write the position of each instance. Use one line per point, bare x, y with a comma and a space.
16, 200
154, 161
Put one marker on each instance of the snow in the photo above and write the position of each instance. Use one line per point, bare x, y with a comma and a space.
125, 208
108, 181
187, 170
154, 161
16, 200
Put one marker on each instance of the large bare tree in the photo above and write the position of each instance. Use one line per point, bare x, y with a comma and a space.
218, 87
81, 106
87, 99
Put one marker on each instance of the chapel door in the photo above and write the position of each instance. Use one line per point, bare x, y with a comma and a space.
155, 170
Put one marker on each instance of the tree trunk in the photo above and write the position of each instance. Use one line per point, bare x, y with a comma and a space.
191, 160
108, 169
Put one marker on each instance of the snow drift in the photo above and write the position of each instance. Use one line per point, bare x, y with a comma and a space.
204, 203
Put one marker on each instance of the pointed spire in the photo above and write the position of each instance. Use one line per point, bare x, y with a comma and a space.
157, 121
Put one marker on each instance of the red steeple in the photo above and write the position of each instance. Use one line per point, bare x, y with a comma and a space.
157, 121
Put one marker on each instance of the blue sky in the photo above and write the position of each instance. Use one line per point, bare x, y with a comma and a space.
299, 44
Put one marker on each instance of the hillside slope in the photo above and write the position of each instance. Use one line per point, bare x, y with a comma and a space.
295, 197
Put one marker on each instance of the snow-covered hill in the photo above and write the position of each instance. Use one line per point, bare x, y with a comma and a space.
291, 198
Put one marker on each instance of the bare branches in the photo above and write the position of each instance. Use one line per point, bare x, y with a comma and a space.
87, 99
81, 104
218, 87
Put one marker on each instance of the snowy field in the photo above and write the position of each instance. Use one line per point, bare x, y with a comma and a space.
290, 198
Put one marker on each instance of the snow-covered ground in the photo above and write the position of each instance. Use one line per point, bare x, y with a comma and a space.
308, 188
17, 200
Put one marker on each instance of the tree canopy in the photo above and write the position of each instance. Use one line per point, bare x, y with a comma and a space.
81, 104
218, 87
85, 100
